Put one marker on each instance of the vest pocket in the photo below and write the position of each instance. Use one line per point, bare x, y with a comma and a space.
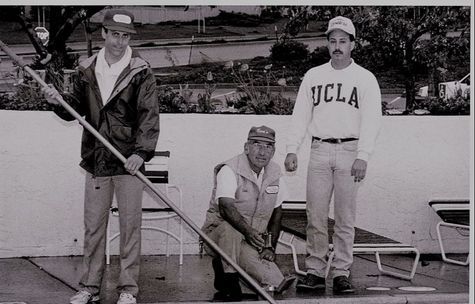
272, 189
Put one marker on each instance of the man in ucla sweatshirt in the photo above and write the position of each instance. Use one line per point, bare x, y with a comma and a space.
339, 105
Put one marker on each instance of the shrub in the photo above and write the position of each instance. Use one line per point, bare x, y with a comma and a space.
280, 105
204, 100
170, 101
289, 50
262, 103
271, 13
235, 19
319, 56
454, 106
26, 98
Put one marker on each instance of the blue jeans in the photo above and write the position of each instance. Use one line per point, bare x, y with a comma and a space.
329, 173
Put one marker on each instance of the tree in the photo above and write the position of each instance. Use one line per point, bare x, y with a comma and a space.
402, 37
54, 57
409, 36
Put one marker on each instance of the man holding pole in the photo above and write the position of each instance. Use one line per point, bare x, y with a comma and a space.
245, 214
115, 91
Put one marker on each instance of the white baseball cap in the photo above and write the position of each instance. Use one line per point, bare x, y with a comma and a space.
341, 23
119, 20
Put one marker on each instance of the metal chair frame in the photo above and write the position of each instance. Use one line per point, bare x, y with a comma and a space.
454, 214
361, 248
160, 176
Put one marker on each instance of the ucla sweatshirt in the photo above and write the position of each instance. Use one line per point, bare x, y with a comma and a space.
337, 104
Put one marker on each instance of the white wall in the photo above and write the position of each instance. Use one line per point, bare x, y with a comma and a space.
41, 188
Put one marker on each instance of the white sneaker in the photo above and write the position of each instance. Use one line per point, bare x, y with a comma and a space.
126, 298
83, 297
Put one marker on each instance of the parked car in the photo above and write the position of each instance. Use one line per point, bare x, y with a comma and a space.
450, 89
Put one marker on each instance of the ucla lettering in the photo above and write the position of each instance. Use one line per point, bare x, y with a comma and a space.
327, 99
318, 95
354, 98
338, 97
334, 92
313, 96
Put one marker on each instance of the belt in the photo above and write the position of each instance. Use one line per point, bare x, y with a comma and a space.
334, 140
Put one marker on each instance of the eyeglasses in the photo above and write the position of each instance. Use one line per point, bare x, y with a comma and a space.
265, 147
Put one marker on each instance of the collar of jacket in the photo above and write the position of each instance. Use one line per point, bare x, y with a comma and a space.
136, 65
271, 171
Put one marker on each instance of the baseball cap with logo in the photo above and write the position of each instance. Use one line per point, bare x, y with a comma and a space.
341, 23
262, 133
119, 20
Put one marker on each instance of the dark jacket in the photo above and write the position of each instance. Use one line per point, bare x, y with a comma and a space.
129, 121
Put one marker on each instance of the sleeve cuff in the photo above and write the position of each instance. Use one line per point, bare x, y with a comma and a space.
292, 149
143, 155
363, 155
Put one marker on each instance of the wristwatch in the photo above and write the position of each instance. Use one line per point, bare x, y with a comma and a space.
271, 248
268, 241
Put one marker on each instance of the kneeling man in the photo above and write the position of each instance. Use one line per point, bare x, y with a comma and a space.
245, 214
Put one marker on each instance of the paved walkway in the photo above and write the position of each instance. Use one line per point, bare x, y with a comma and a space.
53, 280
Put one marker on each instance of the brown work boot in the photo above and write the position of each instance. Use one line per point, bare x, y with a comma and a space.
230, 289
342, 285
285, 284
311, 282
219, 283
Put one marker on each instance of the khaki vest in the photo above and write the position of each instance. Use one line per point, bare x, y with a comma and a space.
255, 205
